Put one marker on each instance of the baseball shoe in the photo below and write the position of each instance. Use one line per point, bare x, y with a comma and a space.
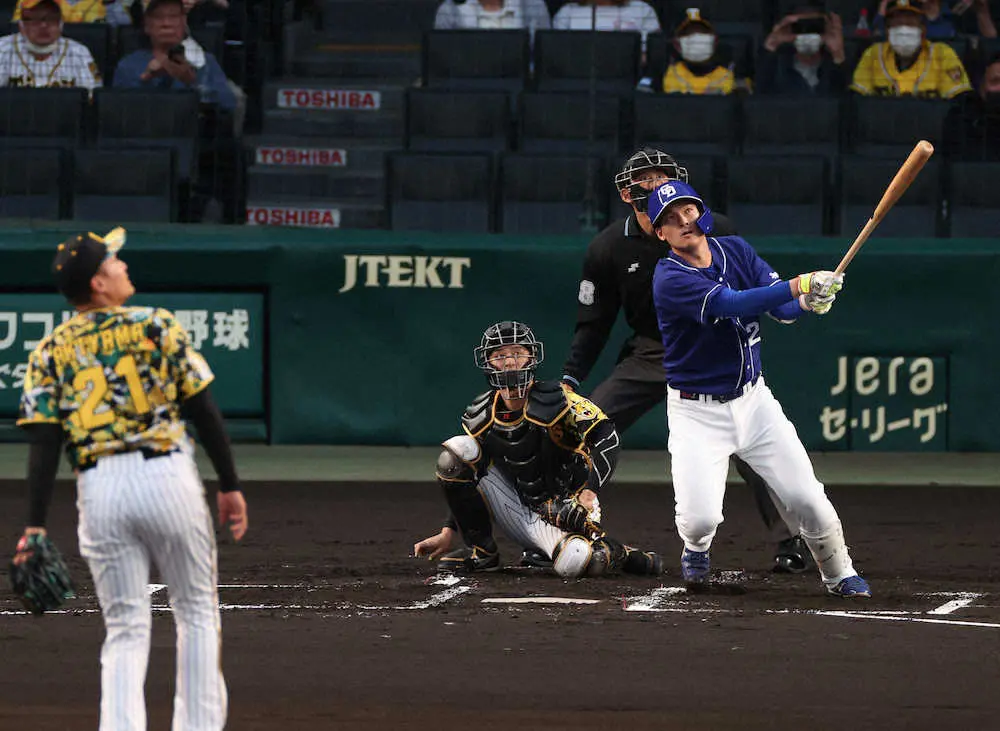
853, 587
535, 559
695, 567
467, 560
642, 563
793, 557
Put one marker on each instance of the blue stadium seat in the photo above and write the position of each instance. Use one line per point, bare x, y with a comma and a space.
136, 185
440, 192
861, 183
31, 183
778, 195
550, 193
458, 121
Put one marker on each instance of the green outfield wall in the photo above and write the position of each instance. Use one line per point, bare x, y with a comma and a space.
359, 337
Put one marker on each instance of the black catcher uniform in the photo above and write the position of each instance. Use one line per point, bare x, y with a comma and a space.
618, 275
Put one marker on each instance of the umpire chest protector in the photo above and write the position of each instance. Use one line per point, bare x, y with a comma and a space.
531, 450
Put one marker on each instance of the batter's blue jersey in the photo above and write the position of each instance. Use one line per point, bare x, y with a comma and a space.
705, 354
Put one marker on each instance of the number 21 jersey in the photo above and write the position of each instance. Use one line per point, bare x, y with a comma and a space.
114, 377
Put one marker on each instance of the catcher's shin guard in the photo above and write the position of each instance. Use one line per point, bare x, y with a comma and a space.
457, 478
572, 557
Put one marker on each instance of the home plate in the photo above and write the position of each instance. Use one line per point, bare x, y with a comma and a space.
538, 600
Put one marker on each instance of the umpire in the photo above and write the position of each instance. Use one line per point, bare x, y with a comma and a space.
618, 274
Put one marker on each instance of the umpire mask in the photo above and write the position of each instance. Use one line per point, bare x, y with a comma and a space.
499, 372
643, 159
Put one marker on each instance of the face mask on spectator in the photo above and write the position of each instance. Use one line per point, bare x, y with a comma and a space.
41, 50
808, 43
697, 47
905, 40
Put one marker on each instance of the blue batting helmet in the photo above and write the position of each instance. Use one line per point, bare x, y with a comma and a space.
678, 190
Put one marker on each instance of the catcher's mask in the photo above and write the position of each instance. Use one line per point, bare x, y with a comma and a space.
504, 333
647, 158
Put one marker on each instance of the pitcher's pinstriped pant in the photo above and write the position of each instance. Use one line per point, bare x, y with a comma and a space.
135, 512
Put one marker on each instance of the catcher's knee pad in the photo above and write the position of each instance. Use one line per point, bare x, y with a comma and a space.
457, 458
571, 556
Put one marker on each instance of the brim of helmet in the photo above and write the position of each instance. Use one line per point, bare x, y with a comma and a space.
676, 200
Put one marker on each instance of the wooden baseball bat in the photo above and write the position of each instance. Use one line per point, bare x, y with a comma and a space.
906, 174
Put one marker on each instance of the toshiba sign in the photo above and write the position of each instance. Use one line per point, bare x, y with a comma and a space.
291, 216
360, 100
302, 156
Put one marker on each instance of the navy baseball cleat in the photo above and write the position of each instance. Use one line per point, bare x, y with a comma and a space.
853, 587
793, 557
695, 566
466, 560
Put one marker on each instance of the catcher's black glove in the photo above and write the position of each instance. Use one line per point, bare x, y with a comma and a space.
38, 574
569, 515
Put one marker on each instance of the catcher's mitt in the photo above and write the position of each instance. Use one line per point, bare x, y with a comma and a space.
41, 580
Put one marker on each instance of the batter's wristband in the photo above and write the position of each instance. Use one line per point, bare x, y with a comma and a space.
571, 381
805, 283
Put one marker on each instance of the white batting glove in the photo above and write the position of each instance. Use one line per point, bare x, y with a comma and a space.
822, 283
819, 304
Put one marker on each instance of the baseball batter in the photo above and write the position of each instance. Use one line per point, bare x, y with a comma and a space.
113, 384
533, 458
38, 56
709, 294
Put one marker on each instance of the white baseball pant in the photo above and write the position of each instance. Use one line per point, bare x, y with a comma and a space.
705, 433
134, 511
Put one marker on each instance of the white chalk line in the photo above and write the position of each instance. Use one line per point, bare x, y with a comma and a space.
894, 618
539, 600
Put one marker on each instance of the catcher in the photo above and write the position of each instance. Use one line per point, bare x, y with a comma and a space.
535, 455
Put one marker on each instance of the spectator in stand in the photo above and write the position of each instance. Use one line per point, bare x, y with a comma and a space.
112, 12
492, 14
633, 15
699, 69
972, 127
908, 64
39, 56
803, 55
170, 62
944, 22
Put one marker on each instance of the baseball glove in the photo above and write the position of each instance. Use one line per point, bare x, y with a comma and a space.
569, 515
41, 579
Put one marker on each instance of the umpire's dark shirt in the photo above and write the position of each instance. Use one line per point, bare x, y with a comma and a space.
618, 274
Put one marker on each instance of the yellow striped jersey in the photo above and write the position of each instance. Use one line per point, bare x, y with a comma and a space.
936, 74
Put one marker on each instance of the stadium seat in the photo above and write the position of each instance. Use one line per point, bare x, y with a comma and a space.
861, 183
745, 17
150, 118
560, 123
458, 121
97, 38
778, 195
440, 192
787, 126
30, 183
686, 125
137, 185
882, 127
563, 60
974, 199
550, 194
41, 117
476, 59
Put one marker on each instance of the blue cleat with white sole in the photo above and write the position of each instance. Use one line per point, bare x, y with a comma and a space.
695, 567
853, 587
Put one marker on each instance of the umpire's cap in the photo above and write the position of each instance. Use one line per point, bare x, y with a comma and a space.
678, 190
78, 259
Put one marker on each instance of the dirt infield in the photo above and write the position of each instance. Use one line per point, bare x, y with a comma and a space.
328, 624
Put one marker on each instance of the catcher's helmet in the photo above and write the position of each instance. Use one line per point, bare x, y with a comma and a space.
647, 158
674, 191
504, 333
